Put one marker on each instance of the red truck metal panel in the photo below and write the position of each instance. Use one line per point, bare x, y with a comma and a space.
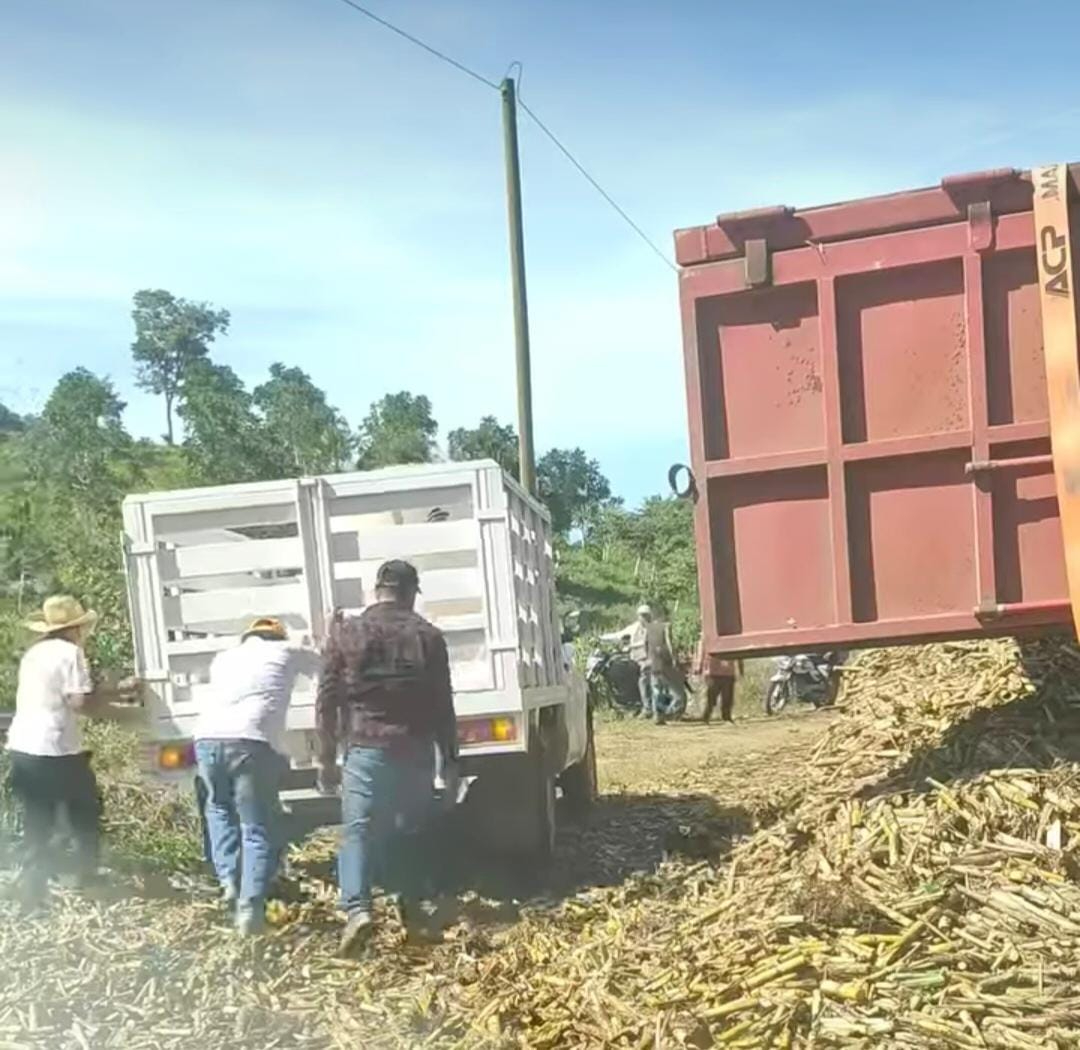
868, 420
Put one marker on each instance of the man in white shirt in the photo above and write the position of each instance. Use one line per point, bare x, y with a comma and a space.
633, 635
50, 769
239, 751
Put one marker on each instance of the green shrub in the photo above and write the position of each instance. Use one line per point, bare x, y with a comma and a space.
147, 825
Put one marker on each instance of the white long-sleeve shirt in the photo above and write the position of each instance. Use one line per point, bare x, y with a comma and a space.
250, 689
636, 633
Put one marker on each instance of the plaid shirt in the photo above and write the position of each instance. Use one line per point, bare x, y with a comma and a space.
385, 682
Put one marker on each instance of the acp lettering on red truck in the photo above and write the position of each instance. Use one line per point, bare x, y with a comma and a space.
1056, 295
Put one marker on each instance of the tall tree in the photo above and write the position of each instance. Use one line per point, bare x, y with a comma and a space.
80, 442
170, 335
225, 439
573, 487
311, 436
490, 440
398, 429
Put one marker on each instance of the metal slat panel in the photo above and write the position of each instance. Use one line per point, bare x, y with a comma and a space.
209, 610
437, 585
246, 556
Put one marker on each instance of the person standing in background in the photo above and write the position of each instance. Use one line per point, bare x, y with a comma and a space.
719, 676
50, 767
239, 753
659, 670
385, 695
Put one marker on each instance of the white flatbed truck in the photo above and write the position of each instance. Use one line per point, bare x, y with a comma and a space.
202, 563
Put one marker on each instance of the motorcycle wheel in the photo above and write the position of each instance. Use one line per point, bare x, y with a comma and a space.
776, 698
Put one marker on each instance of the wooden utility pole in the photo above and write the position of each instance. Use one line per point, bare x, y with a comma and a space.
526, 449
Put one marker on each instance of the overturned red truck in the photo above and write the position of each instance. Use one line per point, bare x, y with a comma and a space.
873, 388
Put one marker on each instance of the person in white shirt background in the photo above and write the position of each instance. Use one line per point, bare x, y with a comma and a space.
239, 753
50, 768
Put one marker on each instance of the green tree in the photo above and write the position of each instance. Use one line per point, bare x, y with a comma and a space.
62, 519
10, 422
170, 335
310, 436
634, 556
490, 440
224, 438
398, 429
22, 552
79, 442
574, 489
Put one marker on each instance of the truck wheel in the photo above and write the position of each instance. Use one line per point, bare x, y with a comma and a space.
543, 845
579, 782
511, 807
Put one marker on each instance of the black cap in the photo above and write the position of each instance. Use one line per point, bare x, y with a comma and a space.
397, 575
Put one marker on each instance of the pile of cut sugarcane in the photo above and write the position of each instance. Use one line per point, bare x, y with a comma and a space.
918, 892
911, 883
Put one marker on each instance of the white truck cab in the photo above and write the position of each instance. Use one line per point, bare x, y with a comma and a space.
202, 563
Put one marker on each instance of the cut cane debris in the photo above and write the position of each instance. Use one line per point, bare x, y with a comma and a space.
912, 883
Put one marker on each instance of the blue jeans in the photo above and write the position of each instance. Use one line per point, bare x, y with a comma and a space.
645, 691
382, 791
242, 813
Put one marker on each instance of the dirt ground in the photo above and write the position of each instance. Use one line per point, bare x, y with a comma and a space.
160, 950
633, 754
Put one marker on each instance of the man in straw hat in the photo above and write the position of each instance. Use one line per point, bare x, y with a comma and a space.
239, 752
50, 768
385, 694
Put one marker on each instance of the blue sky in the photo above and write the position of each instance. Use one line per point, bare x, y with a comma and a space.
341, 192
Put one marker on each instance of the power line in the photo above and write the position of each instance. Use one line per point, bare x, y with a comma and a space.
461, 67
596, 186
420, 43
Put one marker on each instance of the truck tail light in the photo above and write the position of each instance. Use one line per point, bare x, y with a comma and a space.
473, 732
176, 756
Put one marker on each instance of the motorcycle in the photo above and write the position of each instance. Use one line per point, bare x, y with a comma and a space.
810, 678
612, 677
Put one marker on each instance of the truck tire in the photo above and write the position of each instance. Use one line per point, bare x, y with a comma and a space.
579, 781
511, 807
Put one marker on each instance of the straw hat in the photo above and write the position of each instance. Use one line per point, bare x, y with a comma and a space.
267, 626
59, 613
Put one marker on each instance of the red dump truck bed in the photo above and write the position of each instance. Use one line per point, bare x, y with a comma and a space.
868, 420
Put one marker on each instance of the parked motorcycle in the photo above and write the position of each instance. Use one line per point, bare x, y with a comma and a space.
810, 678
612, 678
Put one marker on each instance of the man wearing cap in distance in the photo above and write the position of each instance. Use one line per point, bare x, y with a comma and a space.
239, 753
385, 695
636, 638
50, 769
